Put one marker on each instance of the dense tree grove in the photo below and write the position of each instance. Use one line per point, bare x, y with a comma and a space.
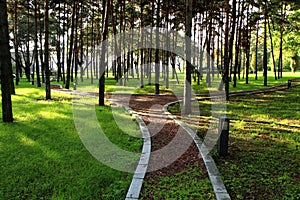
239, 36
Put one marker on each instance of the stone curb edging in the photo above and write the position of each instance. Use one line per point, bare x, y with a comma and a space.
140, 172
212, 170
134, 190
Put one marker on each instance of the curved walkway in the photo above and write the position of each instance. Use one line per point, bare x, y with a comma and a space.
150, 111
163, 128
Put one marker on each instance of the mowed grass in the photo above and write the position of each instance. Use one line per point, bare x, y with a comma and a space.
42, 156
264, 159
191, 183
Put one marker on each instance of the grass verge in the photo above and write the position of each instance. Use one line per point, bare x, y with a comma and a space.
188, 184
42, 156
264, 159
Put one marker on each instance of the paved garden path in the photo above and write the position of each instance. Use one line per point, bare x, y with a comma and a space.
172, 148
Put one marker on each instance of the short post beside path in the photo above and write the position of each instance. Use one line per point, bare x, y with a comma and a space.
223, 136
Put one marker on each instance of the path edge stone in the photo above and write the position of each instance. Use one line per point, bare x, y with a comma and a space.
212, 170
135, 187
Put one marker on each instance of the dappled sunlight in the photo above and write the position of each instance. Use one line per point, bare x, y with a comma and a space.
27, 141
51, 115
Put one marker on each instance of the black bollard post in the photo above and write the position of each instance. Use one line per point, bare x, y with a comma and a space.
223, 136
32, 80
74, 86
289, 84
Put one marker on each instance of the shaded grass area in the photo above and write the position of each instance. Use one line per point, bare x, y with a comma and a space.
264, 159
42, 156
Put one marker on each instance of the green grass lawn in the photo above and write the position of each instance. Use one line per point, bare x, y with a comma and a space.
188, 184
264, 159
42, 156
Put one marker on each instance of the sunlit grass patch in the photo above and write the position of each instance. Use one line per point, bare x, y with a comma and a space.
42, 156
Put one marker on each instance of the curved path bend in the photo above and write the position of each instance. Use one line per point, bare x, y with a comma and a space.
165, 161
174, 147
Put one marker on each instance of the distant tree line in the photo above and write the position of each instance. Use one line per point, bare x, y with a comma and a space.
239, 36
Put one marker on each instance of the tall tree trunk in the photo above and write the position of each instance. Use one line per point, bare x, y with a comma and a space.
265, 55
36, 53
168, 46
58, 49
256, 51
103, 51
41, 48
238, 42
142, 50
27, 59
188, 34
47, 67
70, 56
225, 78
157, 61
248, 39
272, 50
64, 47
232, 34
5, 65
16, 42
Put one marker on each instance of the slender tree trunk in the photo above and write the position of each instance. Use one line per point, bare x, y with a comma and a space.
168, 46
188, 33
48, 89
272, 50
27, 59
58, 49
232, 34
265, 59
237, 44
36, 53
157, 61
142, 50
248, 45
225, 78
5, 65
70, 56
64, 47
16, 42
256, 51
103, 51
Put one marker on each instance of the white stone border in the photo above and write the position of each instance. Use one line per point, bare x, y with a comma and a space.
140, 172
212, 170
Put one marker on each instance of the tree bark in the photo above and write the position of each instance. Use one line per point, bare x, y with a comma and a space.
157, 61
265, 55
103, 51
16, 42
5, 65
187, 84
69, 59
46, 24
36, 53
